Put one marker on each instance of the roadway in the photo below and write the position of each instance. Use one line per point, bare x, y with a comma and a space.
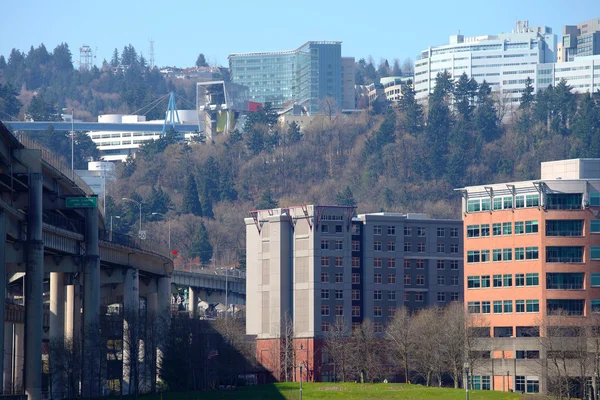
95, 126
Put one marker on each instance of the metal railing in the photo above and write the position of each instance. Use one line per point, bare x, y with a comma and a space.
63, 223
130, 241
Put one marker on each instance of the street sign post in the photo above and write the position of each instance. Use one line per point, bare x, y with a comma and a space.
142, 234
81, 202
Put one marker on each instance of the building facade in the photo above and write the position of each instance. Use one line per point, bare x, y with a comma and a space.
580, 40
532, 252
314, 265
295, 77
504, 61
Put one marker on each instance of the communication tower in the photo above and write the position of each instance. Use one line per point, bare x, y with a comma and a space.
86, 58
151, 53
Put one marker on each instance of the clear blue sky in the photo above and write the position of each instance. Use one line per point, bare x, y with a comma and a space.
182, 29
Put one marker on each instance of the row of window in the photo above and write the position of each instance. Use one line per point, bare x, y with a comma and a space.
390, 262
521, 253
502, 229
421, 231
391, 246
503, 307
505, 280
503, 203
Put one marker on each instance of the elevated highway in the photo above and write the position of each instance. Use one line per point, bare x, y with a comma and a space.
222, 286
95, 126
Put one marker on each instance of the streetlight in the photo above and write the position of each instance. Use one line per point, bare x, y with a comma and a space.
111, 225
139, 204
466, 366
301, 364
72, 139
169, 222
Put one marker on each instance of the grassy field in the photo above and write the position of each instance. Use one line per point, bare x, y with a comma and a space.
351, 391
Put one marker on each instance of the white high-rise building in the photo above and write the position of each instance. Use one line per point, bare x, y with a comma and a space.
504, 61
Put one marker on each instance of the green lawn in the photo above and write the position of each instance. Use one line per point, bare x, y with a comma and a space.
380, 391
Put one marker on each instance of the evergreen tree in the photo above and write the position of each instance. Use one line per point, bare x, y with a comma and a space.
201, 61
486, 119
439, 124
586, 127
9, 103
42, 110
412, 120
201, 246
527, 97
293, 134
206, 203
157, 202
191, 201
267, 201
2, 62
84, 150
129, 167
345, 198
396, 71
227, 186
465, 90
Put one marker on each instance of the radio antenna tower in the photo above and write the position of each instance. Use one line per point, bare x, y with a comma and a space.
86, 58
151, 53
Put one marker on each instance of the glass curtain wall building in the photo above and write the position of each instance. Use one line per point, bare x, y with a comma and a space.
302, 77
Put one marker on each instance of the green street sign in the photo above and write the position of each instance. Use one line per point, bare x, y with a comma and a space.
82, 202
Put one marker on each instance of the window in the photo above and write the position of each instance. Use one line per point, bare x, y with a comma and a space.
454, 264
391, 311
565, 281
595, 226
355, 294
324, 277
391, 231
594, 199
420, 264
497, 306
497, 255
420, 279
339, 277
377, 262
406, 279
519, 279
339, 294
376, 229
356, 311
533, 384
377, 246
473, 256
520, 306
508, 306
421, 247
497, 229
440, 248
391, 278
441, 280
520, 201
519, 253
531, 226
324, 228
485, 230
421, 231
324, 244
507, 228
474, 307
339, 261
531, 253
324, 311
419, 297
325, 326
507, 280
519, 228
339, 311
355, 245
533, 306
564, 254
391, 263
485, 281
497, 203
339, 245
532, 279
564, 201
507, 254
407, 247
564, 227
440, 264
485, 256
391, 246
454, 248
407, 231
377, 327
485, 307
454, 280
497, 280
377, 311
595, 306
454, 296
324, 294
571, 307
406, 264
355, 229
474, 205
473, 282
595, 279
454, 232
377, 278
338, 229
324, 261
595, 252
507, 202
355, 262
441, 232
441, 297
532, 200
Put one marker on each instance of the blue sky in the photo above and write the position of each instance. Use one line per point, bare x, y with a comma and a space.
182, 29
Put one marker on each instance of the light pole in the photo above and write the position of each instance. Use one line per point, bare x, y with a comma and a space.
169, 222
301, 380
466, 366
139, 204
111, 226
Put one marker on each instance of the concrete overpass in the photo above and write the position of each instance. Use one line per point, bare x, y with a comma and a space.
67, 253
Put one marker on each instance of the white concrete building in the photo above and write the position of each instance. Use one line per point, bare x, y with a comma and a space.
504, 60
582, 74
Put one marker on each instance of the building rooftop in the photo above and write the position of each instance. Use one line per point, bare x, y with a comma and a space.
264, 53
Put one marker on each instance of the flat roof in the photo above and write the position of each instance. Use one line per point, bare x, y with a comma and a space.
264, 53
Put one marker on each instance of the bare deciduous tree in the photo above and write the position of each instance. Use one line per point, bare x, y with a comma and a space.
402, 338
337, 345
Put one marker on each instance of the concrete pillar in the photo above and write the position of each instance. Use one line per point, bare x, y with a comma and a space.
7, 363
2, 294
19, 359
69, 311
91, 308
153, 324
131, 308
193, 302
57, 326
34, 279
163, 316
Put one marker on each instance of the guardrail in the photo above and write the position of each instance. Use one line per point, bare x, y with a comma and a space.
63, 223
130, 241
